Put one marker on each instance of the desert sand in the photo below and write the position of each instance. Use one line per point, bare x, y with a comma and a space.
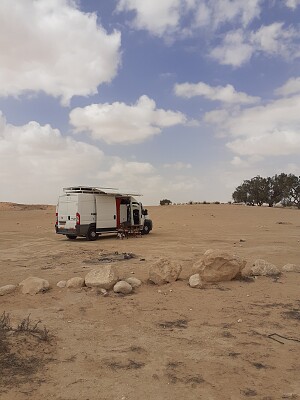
161, 342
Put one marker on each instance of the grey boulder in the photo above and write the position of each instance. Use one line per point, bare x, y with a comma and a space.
218, 266
291, 268
195, 281
103, 277
7, 289
75, 283
164, 271
34, 285
264, 268
122, 287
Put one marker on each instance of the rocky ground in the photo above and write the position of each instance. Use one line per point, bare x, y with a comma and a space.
223, 340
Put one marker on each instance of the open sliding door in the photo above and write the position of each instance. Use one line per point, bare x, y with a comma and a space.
106, 213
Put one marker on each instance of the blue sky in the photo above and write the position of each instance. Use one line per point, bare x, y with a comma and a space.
177, 99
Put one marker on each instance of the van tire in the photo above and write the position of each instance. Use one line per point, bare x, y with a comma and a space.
145, 230
92, 234
71, 237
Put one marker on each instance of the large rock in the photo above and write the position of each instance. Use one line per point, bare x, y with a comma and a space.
75, 283
103, 277
264, 268
7, 289
34, 285
291, 268
164, 271
134, 282
122, 287
195, 281
218, 266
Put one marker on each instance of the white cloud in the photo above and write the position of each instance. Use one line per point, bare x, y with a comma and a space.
122, 123
271, 144
233, 50
178, 166
292, 3
217, 117
157, 17
217, 12
292, 86
169, 16
269, 130
171, 19
238, 162
274, 39
225, 94
51, 46
239, 46
278, 116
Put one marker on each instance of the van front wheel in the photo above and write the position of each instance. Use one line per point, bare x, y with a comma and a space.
92, 234
145, 230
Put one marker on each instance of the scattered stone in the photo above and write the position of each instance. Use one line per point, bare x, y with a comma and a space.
75, 283
34, 285
103, 292
164, 271
103, 277
134, 282
195, 281
242, 240
122, 287
7, 289
291, 268
290, 396
264, 268
218, 266
61, 284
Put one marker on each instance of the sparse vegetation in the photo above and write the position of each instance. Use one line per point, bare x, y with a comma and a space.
21, 350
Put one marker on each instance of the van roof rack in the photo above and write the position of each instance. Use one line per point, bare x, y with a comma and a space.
97, 190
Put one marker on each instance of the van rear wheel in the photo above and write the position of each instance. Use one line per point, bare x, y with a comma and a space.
92, 234
71, 237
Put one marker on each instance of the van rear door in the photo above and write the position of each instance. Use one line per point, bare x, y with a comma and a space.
67, 209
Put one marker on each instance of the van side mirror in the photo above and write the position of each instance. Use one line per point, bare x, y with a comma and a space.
145, 212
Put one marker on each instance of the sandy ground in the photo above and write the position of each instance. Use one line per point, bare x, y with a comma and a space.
168, 342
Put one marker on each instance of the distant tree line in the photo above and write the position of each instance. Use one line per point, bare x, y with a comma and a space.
282, 188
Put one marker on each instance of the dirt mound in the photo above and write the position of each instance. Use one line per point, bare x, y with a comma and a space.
6, 206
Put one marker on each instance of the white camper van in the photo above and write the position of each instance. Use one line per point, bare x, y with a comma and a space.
89, 212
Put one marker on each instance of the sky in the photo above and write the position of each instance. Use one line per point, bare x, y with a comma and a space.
176, 99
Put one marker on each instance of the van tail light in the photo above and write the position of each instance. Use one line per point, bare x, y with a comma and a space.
56, 223
77, 219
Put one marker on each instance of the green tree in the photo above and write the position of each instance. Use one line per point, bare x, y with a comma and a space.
277, 189
258, 190
240, 194
165, 202
293, 190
